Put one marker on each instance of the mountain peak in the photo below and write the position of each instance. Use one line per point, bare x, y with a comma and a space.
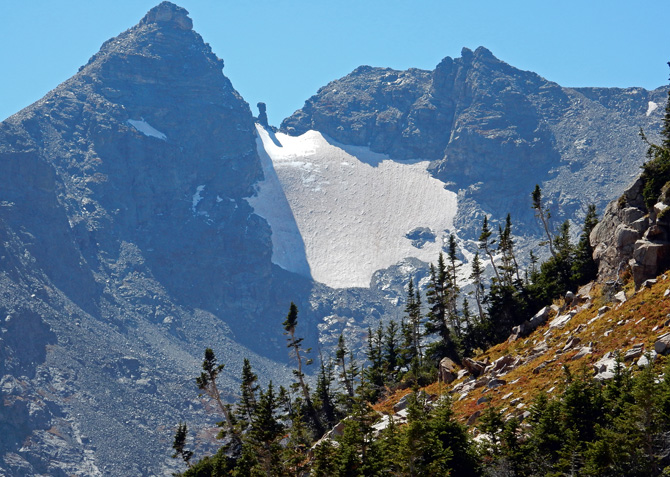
168, 12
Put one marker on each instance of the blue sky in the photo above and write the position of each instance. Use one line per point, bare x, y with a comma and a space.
282, 51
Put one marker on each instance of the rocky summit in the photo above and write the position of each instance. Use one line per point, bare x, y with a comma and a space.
141, 222
492, 132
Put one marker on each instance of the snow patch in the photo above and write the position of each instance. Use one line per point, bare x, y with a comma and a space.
651, 107
339, 213
197, 197
146, 129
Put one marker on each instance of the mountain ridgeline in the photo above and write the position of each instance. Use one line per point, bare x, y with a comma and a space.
128, 244
492, 132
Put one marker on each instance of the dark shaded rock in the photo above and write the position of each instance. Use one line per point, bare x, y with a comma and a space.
262, 115
420, 235
475, 368
662, 344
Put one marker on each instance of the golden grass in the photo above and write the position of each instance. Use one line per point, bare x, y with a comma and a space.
640, 320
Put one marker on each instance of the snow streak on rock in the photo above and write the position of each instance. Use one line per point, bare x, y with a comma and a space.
343, 212
147, 129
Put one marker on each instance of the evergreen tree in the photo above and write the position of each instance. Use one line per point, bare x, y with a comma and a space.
373, 375
324, 464
346, 376
248, 391
477, 277
584, 268
438, 320
295, 345
207, 383
324, 399
413, 310
485, 243
452, 290
542, 213
509, 268
392, 357
262, 448
179, 444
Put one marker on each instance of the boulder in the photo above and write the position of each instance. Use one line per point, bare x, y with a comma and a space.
475, 368
560, 321
648, 259
500, 364
447, 370
620, 297
662, 344
495, 383
649, 283
571, 343
646, 358
605, 367
583, 351
625, 237
635, 352
473, 417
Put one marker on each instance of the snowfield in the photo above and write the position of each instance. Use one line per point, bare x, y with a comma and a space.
339, 213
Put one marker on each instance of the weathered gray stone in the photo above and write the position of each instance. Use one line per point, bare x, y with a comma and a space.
646, 358
447, 370
560, 321
635, 352
474, 367
620, 296
625, 236
571, 343
662, 344
583, 351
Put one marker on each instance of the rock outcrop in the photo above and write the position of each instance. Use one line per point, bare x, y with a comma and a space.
632, 237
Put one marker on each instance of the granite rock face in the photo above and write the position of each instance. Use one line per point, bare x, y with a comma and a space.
493, 132
630, 237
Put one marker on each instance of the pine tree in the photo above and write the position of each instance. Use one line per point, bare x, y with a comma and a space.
453, 290
413, 310
373, 375
207, 383
264, 434
179, 444
485, 243
391, 352
542, 213
509, 268
477, 277
340, 356
324, 398
438, 321
248, 391
584, 268
295, 345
